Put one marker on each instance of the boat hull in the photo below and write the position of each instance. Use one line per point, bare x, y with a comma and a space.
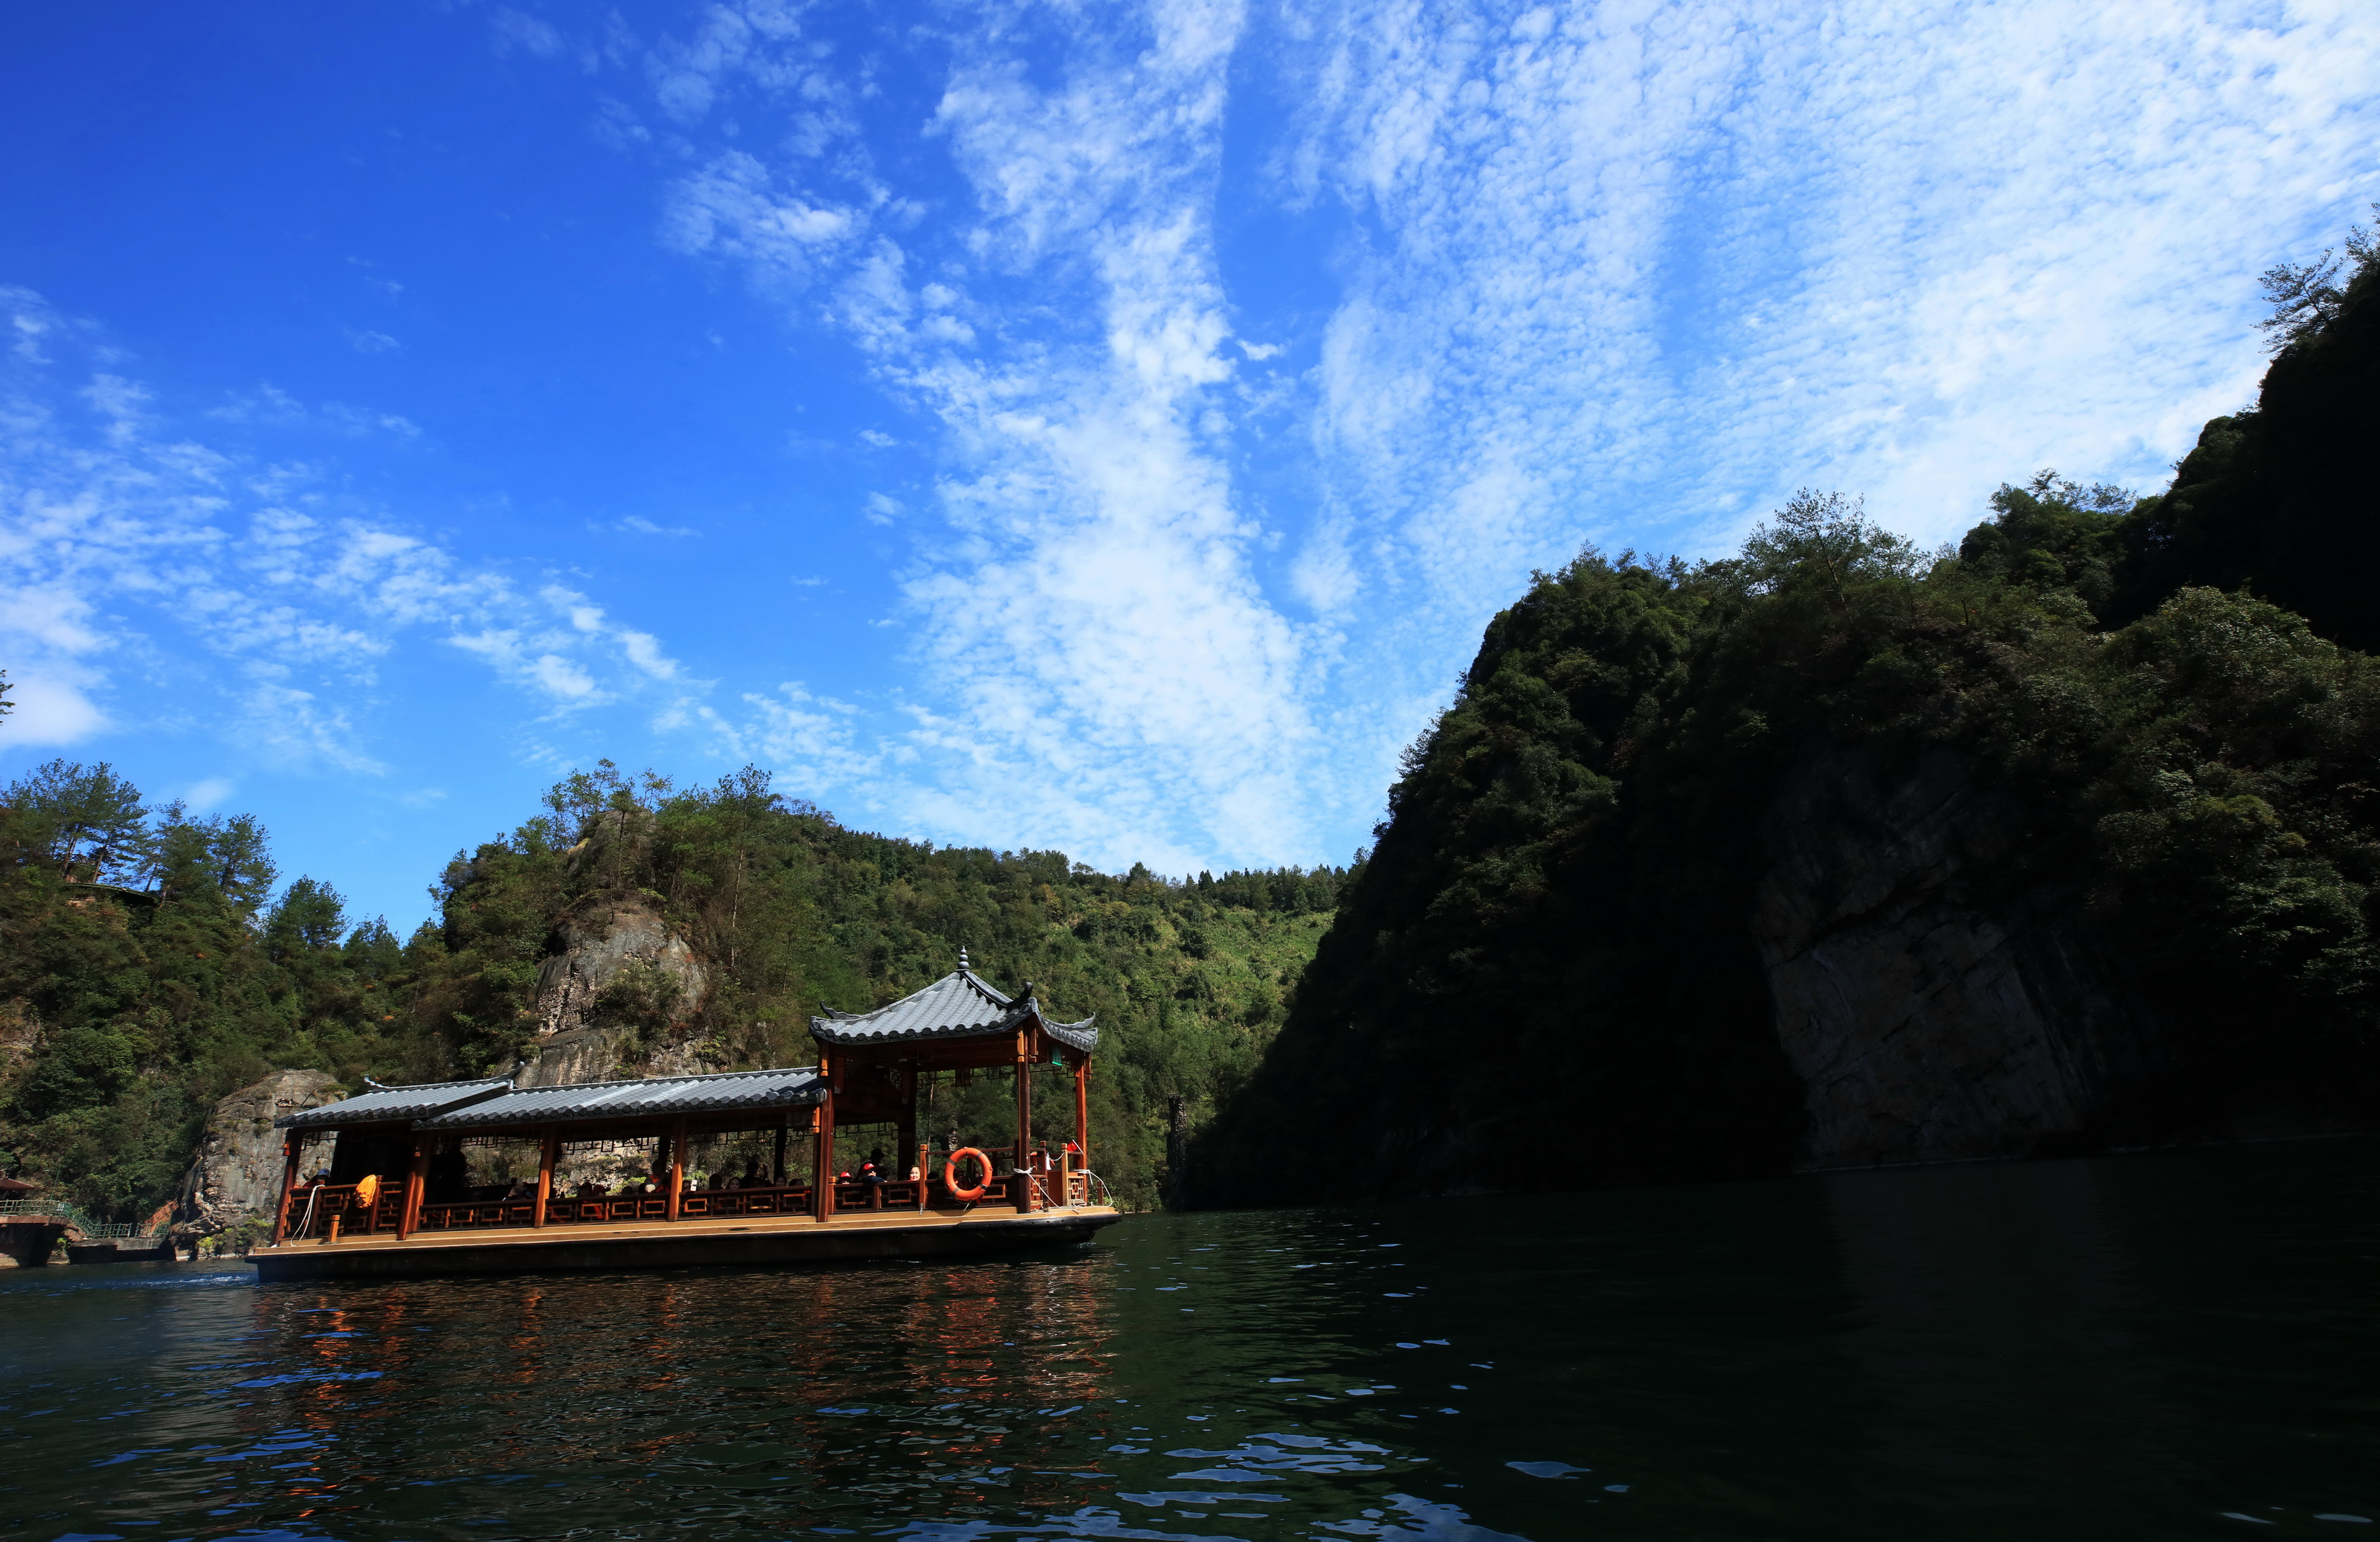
777, 1241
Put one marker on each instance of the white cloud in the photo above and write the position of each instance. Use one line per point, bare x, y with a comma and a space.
209, 793
1106, 670
638, 525
365, 340
271, 406
253, 599
561, 676
512, 29
51, 709
733, 208
1629, 272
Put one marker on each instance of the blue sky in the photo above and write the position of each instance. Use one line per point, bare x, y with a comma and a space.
1100, 427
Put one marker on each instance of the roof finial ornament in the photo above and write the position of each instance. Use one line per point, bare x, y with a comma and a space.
963, 963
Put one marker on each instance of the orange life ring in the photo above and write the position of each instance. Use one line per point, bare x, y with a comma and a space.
951, 1175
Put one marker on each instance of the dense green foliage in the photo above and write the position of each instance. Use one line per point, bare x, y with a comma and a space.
1544, 976
2280, 497
793, 913
145, 974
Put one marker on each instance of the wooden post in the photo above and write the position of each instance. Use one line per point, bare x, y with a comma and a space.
549, 1156
925, 1178
677, 1165
906, 1135
289, 1148
416, 1177
777, 1175
822, 1153
1083, 1112
1023, 1163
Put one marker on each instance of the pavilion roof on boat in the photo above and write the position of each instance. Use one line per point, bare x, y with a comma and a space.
960, 1006
731, 1093
391, 1105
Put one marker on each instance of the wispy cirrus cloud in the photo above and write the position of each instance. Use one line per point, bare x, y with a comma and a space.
1633, 272
247, 597
1626, 273
1103, 667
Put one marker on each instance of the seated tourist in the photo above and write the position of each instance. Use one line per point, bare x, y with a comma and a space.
752, 1178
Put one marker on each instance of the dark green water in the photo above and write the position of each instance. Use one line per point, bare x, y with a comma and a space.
2129, 1347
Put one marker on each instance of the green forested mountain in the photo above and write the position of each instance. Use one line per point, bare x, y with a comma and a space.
146, 968
2079, 800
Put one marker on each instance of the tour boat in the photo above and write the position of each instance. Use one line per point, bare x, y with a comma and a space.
392, 1196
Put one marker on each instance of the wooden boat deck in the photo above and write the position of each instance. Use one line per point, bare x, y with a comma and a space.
694, 1240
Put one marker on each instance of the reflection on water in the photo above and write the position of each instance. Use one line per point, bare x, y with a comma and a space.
2177, 1345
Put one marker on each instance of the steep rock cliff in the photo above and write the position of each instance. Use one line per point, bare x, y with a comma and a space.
616, 994
1931, 1009
236, 1174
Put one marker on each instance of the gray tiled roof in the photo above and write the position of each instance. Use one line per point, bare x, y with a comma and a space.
385, 1103
793, 1088
959, 1005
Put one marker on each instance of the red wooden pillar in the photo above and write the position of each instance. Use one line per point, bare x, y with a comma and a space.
549, 1156
907, 1135
1083, 1112
677, 1165
417, 1177
822, 1150
289, 1151
1023, 1163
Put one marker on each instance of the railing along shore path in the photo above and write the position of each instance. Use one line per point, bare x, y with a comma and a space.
75, 1217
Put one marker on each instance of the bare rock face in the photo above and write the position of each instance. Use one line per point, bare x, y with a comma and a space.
1929, 1019
20, 1031
615, 997
236, 1172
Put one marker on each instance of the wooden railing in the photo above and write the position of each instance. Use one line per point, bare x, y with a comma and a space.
338, 1202
709, 1203
335, 1204
476, 1213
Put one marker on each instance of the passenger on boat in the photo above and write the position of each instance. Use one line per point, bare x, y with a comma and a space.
752, 1179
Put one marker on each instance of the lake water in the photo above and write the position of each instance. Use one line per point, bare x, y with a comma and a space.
2174, 1345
